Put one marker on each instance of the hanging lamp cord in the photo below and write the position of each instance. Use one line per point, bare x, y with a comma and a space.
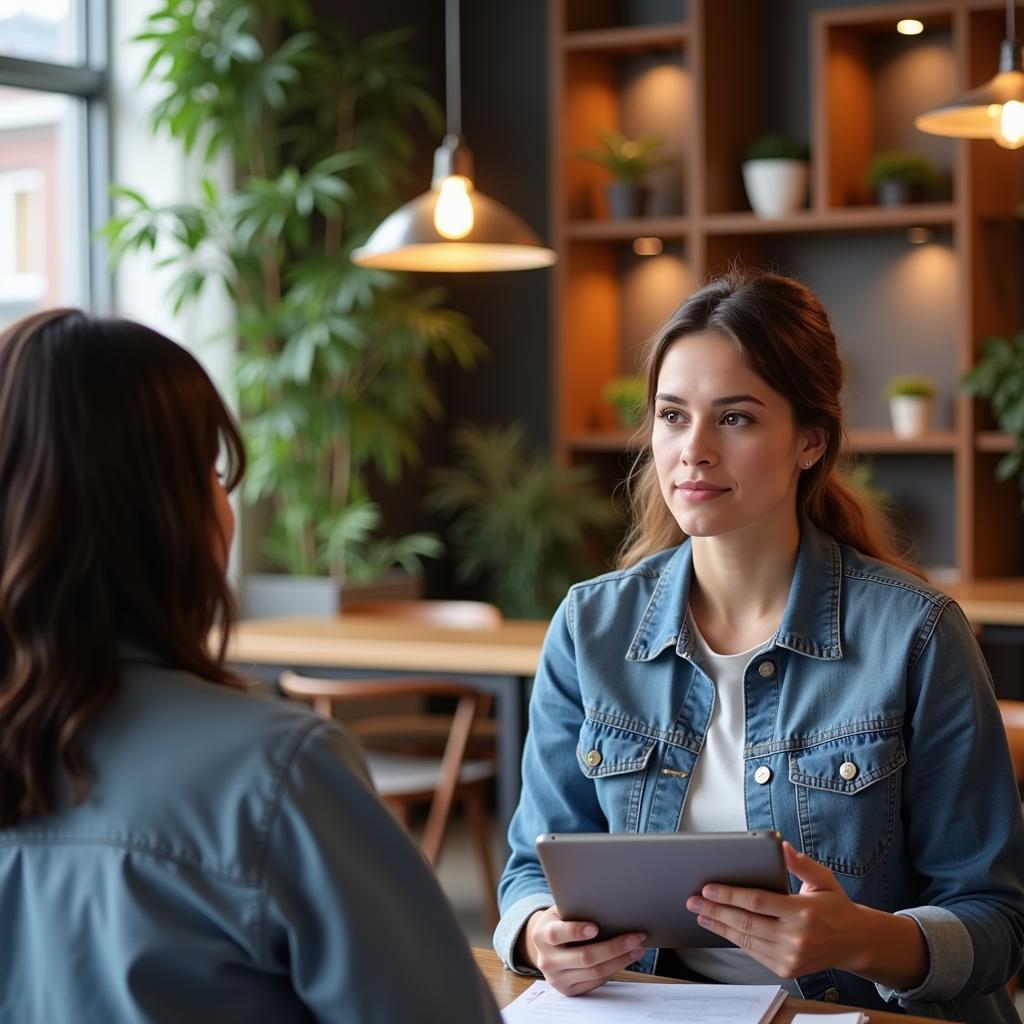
453, 91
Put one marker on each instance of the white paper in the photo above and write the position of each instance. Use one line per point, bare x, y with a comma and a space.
625, 1002
856, 1017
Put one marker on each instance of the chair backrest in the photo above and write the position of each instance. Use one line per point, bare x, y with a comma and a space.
1013, 721
450, 614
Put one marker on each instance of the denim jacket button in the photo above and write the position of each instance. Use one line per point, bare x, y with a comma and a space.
762, 775
848, 770
594, 758
831, 995
766, 670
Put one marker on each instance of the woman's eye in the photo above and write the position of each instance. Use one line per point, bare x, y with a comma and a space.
735, 419
670, 416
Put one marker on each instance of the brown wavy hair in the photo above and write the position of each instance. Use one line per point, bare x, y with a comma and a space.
784, 335
109, 433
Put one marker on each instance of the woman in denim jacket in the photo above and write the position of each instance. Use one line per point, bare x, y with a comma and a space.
763, 660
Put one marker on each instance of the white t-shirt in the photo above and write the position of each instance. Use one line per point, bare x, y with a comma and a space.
714, 801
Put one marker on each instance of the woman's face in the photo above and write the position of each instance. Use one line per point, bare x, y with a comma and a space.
726, 449
225, 516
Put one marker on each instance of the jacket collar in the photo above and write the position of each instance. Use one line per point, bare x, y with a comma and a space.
810, 622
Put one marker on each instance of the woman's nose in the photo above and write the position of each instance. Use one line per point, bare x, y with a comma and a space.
698, 448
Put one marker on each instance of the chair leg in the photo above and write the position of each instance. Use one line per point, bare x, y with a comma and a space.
479, 821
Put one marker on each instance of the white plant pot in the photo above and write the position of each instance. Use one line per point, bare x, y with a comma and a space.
270, 595
775, 188
911, 415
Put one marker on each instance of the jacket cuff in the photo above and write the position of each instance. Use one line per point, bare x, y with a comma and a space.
950, 957
511, 925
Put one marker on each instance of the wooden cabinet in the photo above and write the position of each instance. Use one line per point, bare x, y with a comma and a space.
911, 288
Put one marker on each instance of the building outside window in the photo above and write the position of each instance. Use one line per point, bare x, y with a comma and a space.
53, 159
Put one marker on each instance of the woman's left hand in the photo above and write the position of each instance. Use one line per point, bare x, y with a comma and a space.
793, 934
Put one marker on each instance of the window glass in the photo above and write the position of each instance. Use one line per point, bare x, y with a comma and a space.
42, 202
47, 30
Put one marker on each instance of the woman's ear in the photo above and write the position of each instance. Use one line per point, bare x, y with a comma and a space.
813, 443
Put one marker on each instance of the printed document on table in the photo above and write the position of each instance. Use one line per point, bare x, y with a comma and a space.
627, 1002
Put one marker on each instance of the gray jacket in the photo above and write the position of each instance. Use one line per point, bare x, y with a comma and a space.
230, 863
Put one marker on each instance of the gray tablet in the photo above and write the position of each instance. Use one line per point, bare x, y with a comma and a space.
626, 882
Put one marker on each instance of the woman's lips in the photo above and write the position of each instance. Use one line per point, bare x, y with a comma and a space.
697, 491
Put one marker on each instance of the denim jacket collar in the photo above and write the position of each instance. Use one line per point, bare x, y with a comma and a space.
810, 622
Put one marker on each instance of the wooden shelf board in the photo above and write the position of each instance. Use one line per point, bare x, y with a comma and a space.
627, 229
628, 40
855, 218
993, 441
885, 441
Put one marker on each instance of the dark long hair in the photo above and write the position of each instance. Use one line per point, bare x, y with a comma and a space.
109, 434
784, 335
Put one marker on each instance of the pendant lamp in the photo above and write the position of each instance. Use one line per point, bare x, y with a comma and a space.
453, 227
994, 110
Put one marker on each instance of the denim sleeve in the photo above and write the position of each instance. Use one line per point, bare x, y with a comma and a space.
556, 796
351, 911
963, 819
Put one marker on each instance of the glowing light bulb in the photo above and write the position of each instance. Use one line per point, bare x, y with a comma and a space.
453, 212
1008, 127
909, 27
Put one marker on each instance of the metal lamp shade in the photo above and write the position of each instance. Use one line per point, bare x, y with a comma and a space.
967, 116
408, 240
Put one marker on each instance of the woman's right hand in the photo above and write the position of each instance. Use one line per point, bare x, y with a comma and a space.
575, 969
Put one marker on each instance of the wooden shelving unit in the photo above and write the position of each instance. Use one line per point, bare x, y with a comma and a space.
710, 76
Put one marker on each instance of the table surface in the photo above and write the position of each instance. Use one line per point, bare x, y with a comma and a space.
506, 986
991, 602
382, 642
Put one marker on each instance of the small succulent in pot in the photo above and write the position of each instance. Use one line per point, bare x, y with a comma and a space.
628, 396
899, 176
629, 161
910, 404
775, 174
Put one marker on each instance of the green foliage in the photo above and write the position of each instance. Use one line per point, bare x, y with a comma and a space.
518, 522
628, 160
910, 385
776, 146
333, 358
999, 376
628, 395
859, 475
912, 169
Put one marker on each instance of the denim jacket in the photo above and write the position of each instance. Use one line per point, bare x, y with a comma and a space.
231, 863
869, 666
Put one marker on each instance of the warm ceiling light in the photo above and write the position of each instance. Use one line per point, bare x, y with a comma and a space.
909, 27
647, 245
453, 227
994, 110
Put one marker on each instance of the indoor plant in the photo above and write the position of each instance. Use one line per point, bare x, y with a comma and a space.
999, 376
628, 396
518, 522
910, 404
629, 161
898, 176
775, 174
332, 365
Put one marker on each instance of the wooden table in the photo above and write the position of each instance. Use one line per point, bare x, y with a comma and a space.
500, 661
505, 986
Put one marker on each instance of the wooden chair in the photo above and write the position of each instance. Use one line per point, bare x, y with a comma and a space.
1012, 712
404, 781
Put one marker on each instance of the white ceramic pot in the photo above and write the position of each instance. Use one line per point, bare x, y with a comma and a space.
775, 188
911, 415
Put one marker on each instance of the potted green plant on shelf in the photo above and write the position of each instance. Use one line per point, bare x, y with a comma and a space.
333, 358
519, 524
998, 375
911, 398
628, 397
896, 177
629, 161
775, 173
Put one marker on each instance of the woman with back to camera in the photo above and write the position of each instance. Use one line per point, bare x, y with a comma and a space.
171, 848
764, 661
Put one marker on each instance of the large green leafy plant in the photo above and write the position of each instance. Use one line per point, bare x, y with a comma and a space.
333, 366
518, 523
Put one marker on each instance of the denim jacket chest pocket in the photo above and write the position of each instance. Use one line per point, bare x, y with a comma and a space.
616, 761
847, 797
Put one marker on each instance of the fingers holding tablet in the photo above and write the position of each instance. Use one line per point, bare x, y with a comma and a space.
570, 962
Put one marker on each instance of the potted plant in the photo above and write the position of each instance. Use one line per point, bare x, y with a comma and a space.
629, 161
775, 171
910, 404
628, 397
999, 376
897, 176
333, 358
518, 522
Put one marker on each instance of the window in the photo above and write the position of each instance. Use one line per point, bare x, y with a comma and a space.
53, 166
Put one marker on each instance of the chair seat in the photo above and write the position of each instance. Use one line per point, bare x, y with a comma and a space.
396, 775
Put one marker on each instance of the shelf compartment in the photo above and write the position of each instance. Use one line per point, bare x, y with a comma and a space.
863, 441
586, 17
630, 40
861, 218
627, 230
